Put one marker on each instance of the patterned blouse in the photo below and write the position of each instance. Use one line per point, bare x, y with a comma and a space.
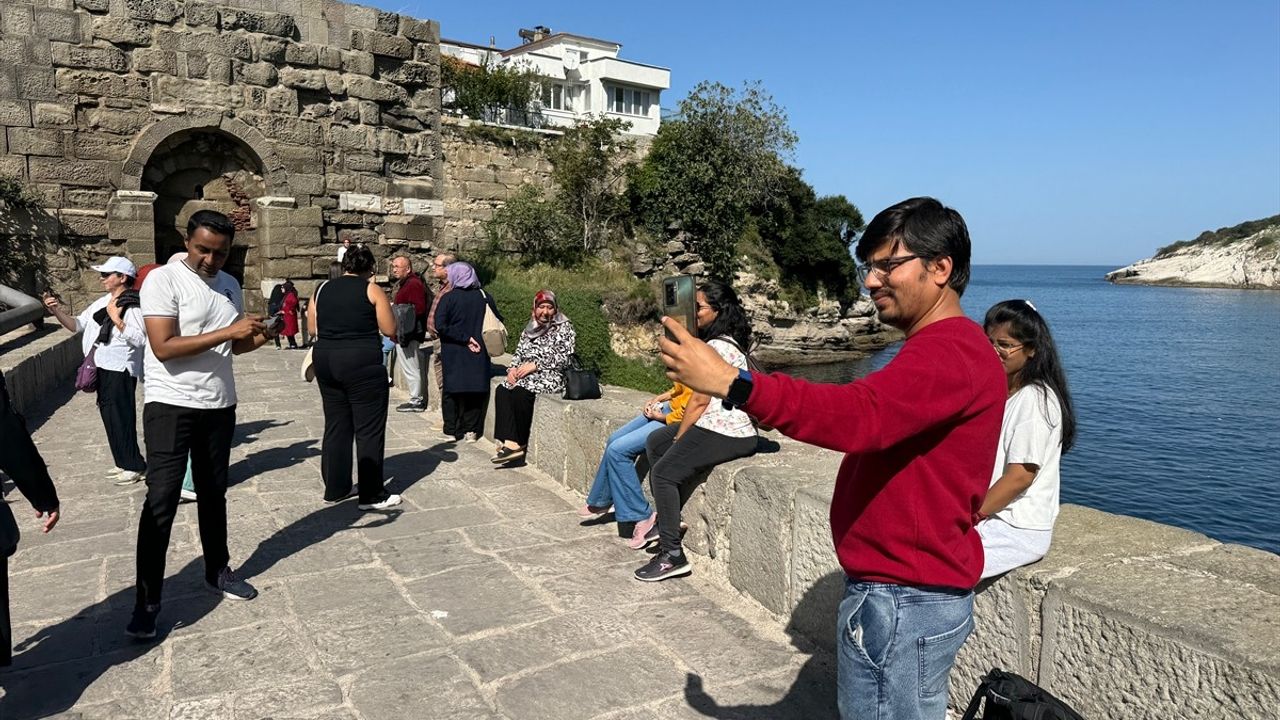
550, 352
718, 419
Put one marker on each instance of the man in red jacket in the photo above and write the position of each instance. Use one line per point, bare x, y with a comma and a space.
919, 439
411, 291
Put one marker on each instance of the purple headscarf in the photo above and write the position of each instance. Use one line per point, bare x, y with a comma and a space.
462, 275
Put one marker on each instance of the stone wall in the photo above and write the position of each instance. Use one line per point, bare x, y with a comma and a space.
127, 115
1123, 619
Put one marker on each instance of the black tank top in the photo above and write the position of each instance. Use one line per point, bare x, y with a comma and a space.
344, 315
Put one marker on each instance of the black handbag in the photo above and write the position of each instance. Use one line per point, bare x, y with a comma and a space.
1010, 696
9, 534
579, 382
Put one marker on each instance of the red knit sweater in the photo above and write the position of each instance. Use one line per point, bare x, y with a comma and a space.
919, 439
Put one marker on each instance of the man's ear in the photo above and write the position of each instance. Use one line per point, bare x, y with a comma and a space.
940, 270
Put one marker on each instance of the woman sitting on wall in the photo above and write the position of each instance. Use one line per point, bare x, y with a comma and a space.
1017, 516
538, 367
710, 434
617, 481
459, 323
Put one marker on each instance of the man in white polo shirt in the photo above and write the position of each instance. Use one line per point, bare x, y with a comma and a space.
195, 321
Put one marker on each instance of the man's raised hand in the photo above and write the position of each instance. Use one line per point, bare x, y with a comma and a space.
694, 363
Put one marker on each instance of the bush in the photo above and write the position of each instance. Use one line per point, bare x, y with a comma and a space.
534, 228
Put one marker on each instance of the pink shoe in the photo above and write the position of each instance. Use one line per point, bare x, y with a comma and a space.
645, 534
593, 511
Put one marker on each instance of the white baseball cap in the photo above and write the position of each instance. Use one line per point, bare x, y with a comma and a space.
118, 264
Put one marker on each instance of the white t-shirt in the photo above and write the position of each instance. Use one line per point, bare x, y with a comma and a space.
731, 423
201, 305
1032, 434
123, 353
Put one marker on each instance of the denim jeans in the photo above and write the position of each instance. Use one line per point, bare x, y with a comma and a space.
616, 481
896, 645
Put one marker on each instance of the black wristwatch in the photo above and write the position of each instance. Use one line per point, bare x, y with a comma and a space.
739, 390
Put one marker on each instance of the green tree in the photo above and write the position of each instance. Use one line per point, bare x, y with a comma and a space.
590, 166
489, 91
718, 157
535, 228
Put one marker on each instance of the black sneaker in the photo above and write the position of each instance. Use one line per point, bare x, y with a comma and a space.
143, 624
230, 586
412, 407
664, 565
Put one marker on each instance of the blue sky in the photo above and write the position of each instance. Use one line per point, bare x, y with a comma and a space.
1071, 132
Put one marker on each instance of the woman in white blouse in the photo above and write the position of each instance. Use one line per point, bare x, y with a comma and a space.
113, 323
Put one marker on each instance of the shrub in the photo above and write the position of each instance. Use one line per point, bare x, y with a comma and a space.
534, 228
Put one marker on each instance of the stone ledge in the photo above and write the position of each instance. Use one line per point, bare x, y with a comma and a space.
1125, 618
37, 364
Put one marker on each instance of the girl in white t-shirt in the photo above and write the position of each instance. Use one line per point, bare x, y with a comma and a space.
1017, 516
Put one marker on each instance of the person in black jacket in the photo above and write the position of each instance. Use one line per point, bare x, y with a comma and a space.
459, 322
21, 461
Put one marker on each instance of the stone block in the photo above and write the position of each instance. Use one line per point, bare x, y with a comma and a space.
94, 6
420, 30
761, 534
487, 191
353, 202
90, 173
15, 113
272, 49
18, 20
89, 57
122, 31
260, 73
235, 45
362, 162
198, 93
304, 79
356, 138
35, 83
84, 223
414, 166
99, 146
135, 231
361, 16
289, 267
149, 60
417, 189
219, 69
198, 66
87, 199
14, 166
379, 43
201, 14
406, 232
55, 24
258, 22
388, 22
290, 130
161, 11
432, 208
117, 121
390, 141
329, 58
427, 53
411, 74
29, 141
282, 100
301, 54
358, 62
816, 583
307, 183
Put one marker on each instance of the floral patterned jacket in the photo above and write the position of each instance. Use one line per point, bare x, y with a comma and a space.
550, 353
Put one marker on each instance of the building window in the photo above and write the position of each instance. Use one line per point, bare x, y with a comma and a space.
559, 96
629, 101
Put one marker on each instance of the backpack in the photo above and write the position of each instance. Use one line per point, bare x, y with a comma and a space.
754, 367
1010, 696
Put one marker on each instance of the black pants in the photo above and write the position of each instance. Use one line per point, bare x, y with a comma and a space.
172, 433
512, 414
116, 406
677, 468
449, 413
6, 633
353, 389
468, 413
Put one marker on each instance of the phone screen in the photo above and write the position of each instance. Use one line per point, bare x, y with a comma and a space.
679, 303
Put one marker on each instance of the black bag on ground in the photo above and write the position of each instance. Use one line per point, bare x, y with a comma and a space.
1010, 696
579, 382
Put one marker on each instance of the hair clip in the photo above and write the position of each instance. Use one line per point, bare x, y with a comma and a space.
1028, 302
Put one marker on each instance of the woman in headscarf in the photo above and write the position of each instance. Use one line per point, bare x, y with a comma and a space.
289, 306
538, 367
274, 303
460, 325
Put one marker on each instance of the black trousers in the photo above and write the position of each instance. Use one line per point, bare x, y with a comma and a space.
512, 414
353, 389
449, 413
677, 468
6, 633
116, 390
468, 413
172, 433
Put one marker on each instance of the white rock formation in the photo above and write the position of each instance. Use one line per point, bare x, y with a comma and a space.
1252, 262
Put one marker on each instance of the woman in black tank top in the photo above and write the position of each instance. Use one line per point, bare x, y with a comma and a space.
348, 316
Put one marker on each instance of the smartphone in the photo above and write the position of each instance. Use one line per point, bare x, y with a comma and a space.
275, 323
679, 303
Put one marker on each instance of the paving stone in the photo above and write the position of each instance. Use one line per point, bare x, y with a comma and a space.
545, 643
421, 555
346, 596
251, 657
471, 599
350, 648
403, 688
546, 562
526, 500
616, 587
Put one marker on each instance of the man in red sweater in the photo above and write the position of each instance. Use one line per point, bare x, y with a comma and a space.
411, 291
919, 439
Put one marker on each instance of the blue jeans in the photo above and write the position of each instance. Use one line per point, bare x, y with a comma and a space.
616, 481
896, 645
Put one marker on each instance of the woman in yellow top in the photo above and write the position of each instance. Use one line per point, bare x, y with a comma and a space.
617, 483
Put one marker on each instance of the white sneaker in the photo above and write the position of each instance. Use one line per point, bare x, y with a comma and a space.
470, 437
128, 477
387, 502
187, 495
114, 473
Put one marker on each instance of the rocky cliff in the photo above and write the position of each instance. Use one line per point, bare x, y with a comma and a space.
1216, 259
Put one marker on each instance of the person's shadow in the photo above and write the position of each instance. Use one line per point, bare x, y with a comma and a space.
54, 666
813, 694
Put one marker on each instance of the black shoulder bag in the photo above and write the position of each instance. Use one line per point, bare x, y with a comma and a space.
579, 382
1010, 696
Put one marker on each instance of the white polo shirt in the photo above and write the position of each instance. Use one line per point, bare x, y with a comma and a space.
201, 305
1032, 434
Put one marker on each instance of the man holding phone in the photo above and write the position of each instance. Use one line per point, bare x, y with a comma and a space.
195, 321
919, 438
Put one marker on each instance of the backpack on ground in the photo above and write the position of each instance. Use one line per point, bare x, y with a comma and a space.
1009, 696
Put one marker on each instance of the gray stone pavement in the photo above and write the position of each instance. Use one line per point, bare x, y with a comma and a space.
482, 596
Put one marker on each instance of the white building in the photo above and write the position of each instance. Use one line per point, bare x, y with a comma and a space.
584, 76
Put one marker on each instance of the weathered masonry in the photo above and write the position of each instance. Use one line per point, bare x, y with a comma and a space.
306, 121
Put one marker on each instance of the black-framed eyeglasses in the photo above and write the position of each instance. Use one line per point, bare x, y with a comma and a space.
883, 268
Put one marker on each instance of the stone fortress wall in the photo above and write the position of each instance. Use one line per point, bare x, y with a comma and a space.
307, 121
1123, 619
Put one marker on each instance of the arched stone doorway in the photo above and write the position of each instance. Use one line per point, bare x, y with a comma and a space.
204, 169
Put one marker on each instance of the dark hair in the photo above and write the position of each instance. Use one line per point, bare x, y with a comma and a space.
731, 320
925, 227
335, 269
1044, 366
213, 221
358, 261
